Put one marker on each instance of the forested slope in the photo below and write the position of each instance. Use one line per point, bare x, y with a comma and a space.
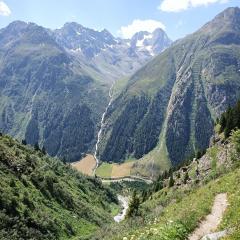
43, 198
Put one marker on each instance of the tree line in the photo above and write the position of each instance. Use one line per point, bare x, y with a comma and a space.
229, 120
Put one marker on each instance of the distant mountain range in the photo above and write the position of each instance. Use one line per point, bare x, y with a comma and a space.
54, 84
164, 113
113, 57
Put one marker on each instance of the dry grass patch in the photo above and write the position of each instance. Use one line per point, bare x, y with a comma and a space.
86, 165
121, 170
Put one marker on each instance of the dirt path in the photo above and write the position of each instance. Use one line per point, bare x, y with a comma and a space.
127, 179
212, 221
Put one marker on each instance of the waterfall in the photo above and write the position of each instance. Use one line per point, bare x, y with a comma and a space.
101, 127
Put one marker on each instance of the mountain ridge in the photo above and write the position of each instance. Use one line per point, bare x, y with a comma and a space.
197, 77
54, 84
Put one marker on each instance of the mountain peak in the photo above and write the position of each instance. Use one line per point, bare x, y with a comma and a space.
158, 30
72, 28
107, 35
17, 23
228, 20
72, 25
18, 26
154, 42
231, 11
105, 31
229, 15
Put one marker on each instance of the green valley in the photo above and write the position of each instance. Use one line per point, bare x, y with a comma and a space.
125, 137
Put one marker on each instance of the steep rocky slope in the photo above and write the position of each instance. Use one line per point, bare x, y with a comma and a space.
167, 108
54, 84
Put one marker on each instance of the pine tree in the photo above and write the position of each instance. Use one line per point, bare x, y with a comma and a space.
229, 122
222, 122
64, 160
144, 195
134, 205
171, 181
44, 150
186, 178
158, 186
165, 175
36, 147
236, 115
198, 154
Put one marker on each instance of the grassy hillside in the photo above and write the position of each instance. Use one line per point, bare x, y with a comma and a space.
174, 211
42, 198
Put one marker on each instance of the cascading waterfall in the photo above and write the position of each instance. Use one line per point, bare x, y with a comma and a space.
101, 128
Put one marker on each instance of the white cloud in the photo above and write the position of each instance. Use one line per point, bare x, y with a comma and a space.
140, 25
4, 9
181, 5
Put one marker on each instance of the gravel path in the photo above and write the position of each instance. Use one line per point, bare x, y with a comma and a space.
212, 221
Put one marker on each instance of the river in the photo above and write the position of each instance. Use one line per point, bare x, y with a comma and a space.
125, 203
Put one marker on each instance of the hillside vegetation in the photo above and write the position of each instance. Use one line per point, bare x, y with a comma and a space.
174, 211
42, 198
178, 201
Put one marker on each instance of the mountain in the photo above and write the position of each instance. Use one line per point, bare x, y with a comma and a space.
42, 198
54, 85
153, 43
114, 57
165, 113
47, 96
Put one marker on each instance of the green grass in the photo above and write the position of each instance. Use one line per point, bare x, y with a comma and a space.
105, 170
212, 152
119, 86
183, 210
42, 198
173, 213
154, 162
114, 209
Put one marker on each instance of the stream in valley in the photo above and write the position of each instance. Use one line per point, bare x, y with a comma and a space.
124, 203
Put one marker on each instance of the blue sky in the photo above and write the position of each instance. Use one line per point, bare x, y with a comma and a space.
179, 17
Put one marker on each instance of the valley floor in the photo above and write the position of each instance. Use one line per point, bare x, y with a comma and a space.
85, 165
